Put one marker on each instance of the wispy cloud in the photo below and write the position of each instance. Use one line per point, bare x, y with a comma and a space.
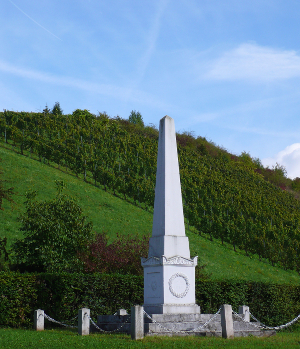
289, 158
255, 63
34, 20
118, 92
152, 39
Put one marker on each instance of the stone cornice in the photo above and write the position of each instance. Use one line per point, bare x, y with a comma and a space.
163, 260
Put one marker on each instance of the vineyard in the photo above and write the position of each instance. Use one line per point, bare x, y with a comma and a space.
224, 198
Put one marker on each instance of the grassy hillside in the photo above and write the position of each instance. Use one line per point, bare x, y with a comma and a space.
229, 198
110, 213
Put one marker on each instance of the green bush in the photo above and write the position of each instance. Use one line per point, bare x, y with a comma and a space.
55, 231
61, 295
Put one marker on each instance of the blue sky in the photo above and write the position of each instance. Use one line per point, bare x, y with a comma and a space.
225, 70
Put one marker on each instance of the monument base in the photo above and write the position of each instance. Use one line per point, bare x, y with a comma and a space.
181, 325
172, 308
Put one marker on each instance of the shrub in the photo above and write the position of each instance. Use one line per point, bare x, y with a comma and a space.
61, 295
55, 231
123, 254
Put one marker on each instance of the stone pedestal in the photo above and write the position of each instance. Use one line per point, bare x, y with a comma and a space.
169, 285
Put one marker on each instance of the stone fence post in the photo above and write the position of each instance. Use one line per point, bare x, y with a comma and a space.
84, 322
137, 322
39, 320
244, 310
227, 321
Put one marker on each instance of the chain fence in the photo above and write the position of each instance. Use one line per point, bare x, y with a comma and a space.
60, 323
106, 331
262, 326
257, 323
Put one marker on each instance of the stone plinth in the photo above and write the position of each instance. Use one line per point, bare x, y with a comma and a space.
169, 285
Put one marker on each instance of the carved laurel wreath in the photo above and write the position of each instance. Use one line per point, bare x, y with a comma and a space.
183, 294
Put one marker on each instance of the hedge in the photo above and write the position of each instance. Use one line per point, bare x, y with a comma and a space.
61, 295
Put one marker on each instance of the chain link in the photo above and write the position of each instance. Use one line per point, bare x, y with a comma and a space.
115, 330
187, 331
263, 326
58, 322
247, 322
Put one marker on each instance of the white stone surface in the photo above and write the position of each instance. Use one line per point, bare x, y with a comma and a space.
39, 320
122, 312
84, 322
169, 246
169, 272
168, 210
244, 310
227, 321
137, 322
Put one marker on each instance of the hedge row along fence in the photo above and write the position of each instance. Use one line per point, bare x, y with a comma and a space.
61, 295
225, 199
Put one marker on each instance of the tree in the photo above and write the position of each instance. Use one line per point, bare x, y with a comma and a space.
136, 118
46, 110
56, 110
55, 232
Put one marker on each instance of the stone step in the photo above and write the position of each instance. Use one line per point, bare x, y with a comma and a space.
170, 324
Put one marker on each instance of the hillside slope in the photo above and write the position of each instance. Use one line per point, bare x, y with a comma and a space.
114, 215
225, 197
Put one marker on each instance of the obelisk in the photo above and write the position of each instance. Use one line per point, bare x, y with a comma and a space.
169, 272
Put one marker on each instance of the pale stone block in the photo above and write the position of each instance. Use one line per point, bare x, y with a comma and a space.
227, 321
84, 322
244, 310
122, 312
169, 246
39, 320
137, 322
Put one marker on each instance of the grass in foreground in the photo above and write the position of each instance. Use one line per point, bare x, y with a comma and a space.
63, 339
114, 215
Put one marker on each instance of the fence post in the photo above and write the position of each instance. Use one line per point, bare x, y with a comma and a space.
38, 323
244, 310
226, 321
137, 322
122, 312
84, 322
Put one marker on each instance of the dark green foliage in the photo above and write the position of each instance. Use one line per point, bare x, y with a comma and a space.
56, 110
272, 304
18, 295
46, 110
5, 193
61, 295
4, 255
136, 118
55, 232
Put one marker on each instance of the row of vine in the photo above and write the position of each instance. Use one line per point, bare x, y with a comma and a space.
222, 198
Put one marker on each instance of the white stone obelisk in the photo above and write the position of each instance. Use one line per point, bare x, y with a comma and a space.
169, 272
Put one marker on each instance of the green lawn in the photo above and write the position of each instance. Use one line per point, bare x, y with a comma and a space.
63, 339
114, 215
